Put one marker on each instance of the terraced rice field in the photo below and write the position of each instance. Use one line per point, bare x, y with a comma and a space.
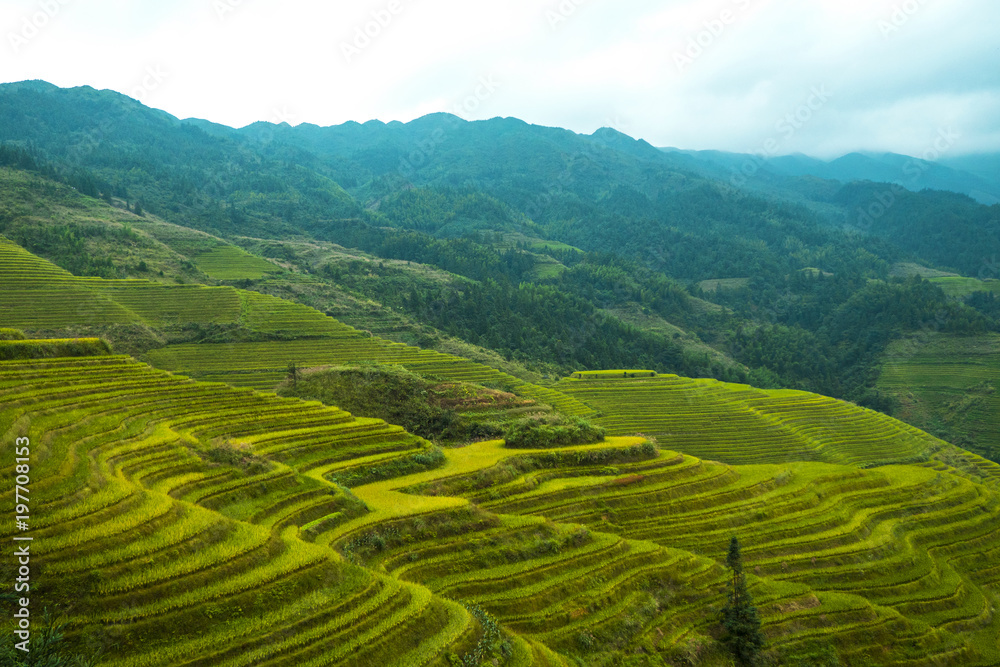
39, 296
159, 305
207, 512
264, 365
739, 424
958, 286
64, 307
183, 522
717, 284
949, 384
171, 559
270, 314
892, 566
226, 262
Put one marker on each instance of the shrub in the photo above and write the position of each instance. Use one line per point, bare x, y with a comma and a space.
551, 431
11, 334
386, 392
366, 547
238, 456
51, 348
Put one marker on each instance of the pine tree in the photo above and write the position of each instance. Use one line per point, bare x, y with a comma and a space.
739, 617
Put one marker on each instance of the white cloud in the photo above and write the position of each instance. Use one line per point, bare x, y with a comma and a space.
238, 61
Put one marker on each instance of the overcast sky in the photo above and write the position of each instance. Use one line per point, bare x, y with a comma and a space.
822, 77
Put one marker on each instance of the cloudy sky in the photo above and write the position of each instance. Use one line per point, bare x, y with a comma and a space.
823, 77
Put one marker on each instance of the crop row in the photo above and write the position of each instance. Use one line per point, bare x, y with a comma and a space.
19, 265
262, 312
738, 424
226, 262
893, 536
123, 442
261, 364
548, 583
168, 304
55, 308
53, 299
166, 565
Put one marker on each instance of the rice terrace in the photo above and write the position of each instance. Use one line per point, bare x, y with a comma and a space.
466, 390
187, 521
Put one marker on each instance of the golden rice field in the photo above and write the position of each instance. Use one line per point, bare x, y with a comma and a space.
177, 521
38, 296
172, 554
740, 424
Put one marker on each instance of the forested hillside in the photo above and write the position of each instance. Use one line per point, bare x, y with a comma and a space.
223, 476
553, 250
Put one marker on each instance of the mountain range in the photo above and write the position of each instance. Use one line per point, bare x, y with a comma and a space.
559, 250
488, 394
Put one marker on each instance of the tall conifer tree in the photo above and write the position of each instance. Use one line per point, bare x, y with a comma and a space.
739, 617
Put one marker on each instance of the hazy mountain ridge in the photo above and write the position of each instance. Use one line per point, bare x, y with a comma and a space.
977, 176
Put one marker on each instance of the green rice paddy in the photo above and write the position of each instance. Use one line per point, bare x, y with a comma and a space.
180, 521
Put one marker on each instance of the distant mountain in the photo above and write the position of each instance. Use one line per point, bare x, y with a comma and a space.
985, 165
784, 266
975, 176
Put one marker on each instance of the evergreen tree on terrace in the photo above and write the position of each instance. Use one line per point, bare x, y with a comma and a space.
739, 617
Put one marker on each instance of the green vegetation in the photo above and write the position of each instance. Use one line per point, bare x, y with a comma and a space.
957, 286
219, 540
38, 349
607, 375
807, 315
740, 424
396, 467
441, 411
717, 284
948, 385
740, 621
226, 262
583, 553
191, 519
46, 647
545, 432
213, 313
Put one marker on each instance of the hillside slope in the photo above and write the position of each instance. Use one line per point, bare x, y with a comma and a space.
795, 263
949, 386
38, 296
221, 535
209, 512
